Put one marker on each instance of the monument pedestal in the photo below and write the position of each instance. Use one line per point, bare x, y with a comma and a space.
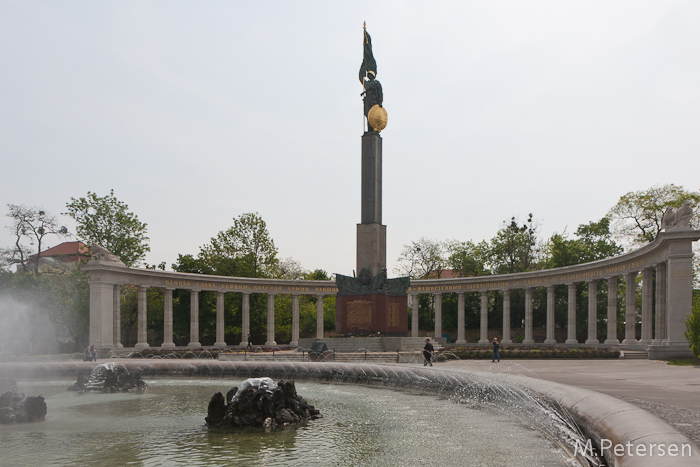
371, 313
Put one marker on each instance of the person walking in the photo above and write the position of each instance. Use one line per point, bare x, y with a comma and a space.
428, 350
496, 354
250, 342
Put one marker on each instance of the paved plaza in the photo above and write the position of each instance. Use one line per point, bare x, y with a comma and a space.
669, 392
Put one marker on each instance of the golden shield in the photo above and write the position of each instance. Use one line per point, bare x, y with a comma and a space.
377, 118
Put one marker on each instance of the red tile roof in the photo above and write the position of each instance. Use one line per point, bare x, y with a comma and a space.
67, 251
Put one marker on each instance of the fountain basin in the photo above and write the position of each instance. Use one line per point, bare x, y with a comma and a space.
601, 418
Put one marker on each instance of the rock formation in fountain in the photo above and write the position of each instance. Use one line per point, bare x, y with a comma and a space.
109, 377
15, 408
256, 404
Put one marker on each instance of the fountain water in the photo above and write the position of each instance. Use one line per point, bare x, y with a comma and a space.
515, 399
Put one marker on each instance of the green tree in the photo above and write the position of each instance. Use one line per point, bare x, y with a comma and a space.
47, 313
245, 249
467, 259
30, 225
637, 215
107, 222
514, 248
594, 242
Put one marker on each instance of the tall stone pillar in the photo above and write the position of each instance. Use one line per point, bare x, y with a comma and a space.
679, 296
678, 292
319, 317
168, 319
101, 314
295, 321
142, 320
506, 318
630, 309
460, 319
194, 320
438, 315
414, 315
571, 318
647, 305
612, 312
592, 313
371, 234
660, 322
528, 317
245, 318
220, 338
484, 319
270, 320
550, 316
117, 317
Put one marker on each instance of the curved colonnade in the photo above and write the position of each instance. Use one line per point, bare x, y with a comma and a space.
665, 265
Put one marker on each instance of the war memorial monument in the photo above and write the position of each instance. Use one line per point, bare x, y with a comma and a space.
371, 302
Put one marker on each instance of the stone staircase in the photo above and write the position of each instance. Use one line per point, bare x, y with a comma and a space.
634, 354
355, 344
415, 343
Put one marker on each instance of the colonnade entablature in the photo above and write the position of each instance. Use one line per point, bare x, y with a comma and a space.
665, 265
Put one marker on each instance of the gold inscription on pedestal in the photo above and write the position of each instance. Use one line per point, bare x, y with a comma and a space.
393, 318
359, 315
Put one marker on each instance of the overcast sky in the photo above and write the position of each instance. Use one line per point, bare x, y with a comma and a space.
197, 112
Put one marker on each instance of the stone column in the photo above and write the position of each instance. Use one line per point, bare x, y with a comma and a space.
141, 320
612, 312
438, 315
592, 313
679, 296
647, 305
528, 317
117, 317
371, 234
295, 321
630, 311
484, 322
319, 317
101, 314
220, 338
270, 320
414, 315
571, 321
506, 318
660, 334
168, 319
194, 320
460, 319
245, 318
550, 316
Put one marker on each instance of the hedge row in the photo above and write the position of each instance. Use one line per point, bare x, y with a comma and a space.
465, 354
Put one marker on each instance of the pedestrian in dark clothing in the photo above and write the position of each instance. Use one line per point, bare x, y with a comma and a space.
428, 353
250, 342
93, 353
496, 354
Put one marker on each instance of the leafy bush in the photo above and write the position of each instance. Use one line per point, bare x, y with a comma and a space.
534, 353
692, 326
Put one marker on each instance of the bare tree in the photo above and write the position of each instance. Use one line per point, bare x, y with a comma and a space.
31, 224
422, 258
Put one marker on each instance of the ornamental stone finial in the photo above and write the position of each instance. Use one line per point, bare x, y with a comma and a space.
677, 220
103, 255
